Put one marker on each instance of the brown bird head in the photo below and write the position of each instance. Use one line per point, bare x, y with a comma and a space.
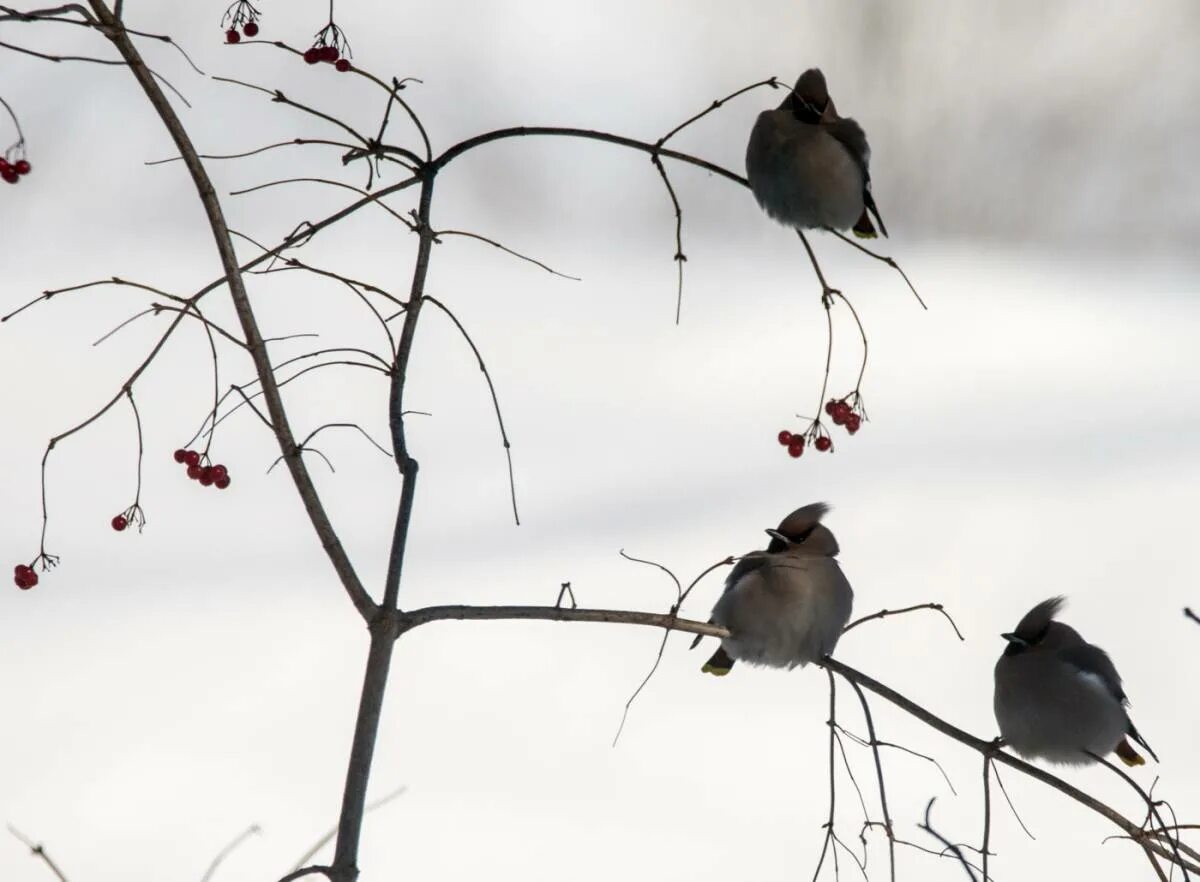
809, 99
802, 530
1038, 629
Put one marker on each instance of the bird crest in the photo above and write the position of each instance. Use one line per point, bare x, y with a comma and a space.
803, 519
1037, 620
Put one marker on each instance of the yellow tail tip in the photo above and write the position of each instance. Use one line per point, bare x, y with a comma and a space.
870, 235
1128, 755
714, 670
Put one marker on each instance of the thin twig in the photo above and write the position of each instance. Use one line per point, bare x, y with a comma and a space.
831, 722
512, 481
680, 257
772, 82
889, 261
680, 597
1151, 811
1012, 808
325, 837
292, 143
987, 813
900, 747
927, 826
506, 250
884, 613
36, 849
642, 685
874, 742
252, 830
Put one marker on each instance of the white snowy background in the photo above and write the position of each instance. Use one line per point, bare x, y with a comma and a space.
1034, 433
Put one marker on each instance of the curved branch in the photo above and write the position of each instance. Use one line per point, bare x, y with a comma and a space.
1134, 831
884, 613
462, 147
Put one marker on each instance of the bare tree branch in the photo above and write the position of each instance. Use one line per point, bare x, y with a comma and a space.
884, 613
36, 849
117, 35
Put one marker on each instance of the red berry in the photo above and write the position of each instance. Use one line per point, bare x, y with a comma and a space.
831, 406
26, 579
206, 476
180, 455
4, 165
232, 36
11, 176
796, 448
342, 64
251, 29
194, 471
329, 53
119, 523
191, 457
839, 418
22, 167
823, 444
218, 472
221, 483
21, 568
853, 423
313, 55
785, 437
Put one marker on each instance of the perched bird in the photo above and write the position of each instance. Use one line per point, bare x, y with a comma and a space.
785, 606
1058, 696
808, 166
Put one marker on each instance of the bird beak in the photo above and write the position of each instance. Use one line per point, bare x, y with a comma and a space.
1011, 638
775, 534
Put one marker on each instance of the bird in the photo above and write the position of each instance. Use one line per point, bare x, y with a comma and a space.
808, 167
786, 605
1058, 697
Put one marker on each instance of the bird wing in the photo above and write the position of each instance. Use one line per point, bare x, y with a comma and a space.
850, 135
755, 560
1092, 661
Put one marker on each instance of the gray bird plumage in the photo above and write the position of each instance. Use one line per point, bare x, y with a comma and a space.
1059, 697
786, 605
809, 167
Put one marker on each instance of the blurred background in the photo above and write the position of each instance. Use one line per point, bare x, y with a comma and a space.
1034, 433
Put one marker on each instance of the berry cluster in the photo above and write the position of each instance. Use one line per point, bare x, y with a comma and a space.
208, 475
12, 172
846, 412
329, 53
795, 443
240, 15
330, 45
25, 577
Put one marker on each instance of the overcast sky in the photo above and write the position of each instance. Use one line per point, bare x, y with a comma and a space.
1034, 433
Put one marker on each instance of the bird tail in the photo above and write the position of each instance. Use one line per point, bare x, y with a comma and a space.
869, 205
864, 229
1128, 755
719, 665
1137, 736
